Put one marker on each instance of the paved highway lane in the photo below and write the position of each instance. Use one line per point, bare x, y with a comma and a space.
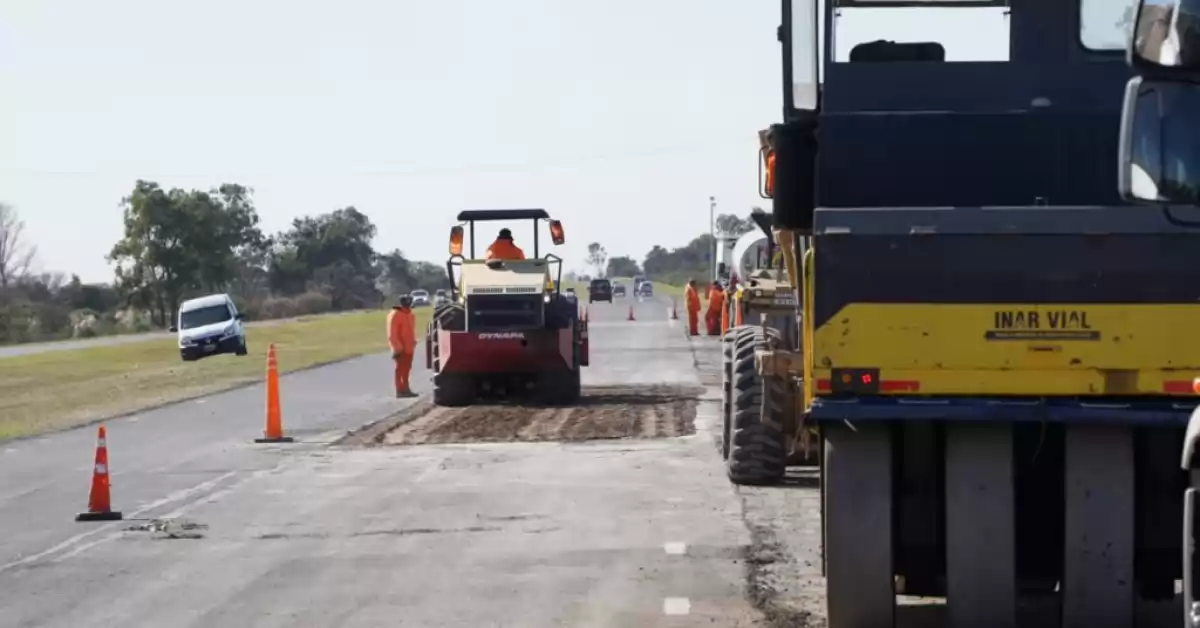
10, 351
613, 533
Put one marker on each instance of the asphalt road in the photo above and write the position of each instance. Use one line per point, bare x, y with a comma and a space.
9, 351
619, 533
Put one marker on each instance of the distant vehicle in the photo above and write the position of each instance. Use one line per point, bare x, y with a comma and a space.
570, 294
209, 325
618, 289
420, 297
646, 289
441, 296
637, 282
600, 290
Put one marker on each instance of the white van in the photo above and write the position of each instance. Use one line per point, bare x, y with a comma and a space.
209, 326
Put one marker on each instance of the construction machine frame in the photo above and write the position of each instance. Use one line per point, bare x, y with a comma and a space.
508, 332
761, 308
996, 346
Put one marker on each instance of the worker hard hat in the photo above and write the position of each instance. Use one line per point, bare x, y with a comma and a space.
505, 234
404, 301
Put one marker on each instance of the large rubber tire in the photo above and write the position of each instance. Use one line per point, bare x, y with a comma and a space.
449, 389
728, 343
242, 350
562, 388
757, 448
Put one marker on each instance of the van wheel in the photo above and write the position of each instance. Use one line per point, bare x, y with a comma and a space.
242, 350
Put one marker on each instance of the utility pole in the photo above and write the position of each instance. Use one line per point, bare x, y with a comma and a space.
712, 234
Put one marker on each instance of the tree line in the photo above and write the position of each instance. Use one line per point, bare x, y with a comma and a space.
177, 244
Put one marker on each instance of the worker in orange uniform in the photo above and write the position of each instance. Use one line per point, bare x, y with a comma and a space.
691, 302
712, 316
503, 248
402, 337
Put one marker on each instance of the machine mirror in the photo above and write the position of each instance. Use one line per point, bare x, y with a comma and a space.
1160, 158
456, 240
1167, 35
556, 232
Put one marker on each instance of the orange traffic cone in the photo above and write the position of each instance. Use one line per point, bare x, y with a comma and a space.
274, 431
630, 314
674, 310
99, 499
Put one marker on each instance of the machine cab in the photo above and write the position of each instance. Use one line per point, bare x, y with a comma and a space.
463, 241
932, 101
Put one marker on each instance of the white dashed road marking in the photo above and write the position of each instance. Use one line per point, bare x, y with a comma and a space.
676, 606
675, 548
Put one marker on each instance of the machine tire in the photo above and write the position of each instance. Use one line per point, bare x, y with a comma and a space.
757, 447
728, 343
562, 388
449, 389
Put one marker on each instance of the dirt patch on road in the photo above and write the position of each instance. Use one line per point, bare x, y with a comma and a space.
603, 412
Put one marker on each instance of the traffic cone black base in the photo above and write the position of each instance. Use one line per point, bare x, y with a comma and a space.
281, 439
112, 515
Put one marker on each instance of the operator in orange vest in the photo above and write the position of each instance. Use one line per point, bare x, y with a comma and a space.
402, 338
503, 248
691, 302
712, 316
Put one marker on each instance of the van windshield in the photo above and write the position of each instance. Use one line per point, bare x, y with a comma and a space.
192, 319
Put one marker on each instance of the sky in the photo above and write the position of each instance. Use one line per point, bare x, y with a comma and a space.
621, 118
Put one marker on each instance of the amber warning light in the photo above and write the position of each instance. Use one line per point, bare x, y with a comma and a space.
1196, 385
456, 240
556, 232
767, 162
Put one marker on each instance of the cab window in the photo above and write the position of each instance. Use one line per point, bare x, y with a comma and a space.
1104, 24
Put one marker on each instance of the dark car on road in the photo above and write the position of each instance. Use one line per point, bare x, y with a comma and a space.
600, 290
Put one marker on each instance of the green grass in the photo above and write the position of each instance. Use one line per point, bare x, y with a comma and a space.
53, 390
